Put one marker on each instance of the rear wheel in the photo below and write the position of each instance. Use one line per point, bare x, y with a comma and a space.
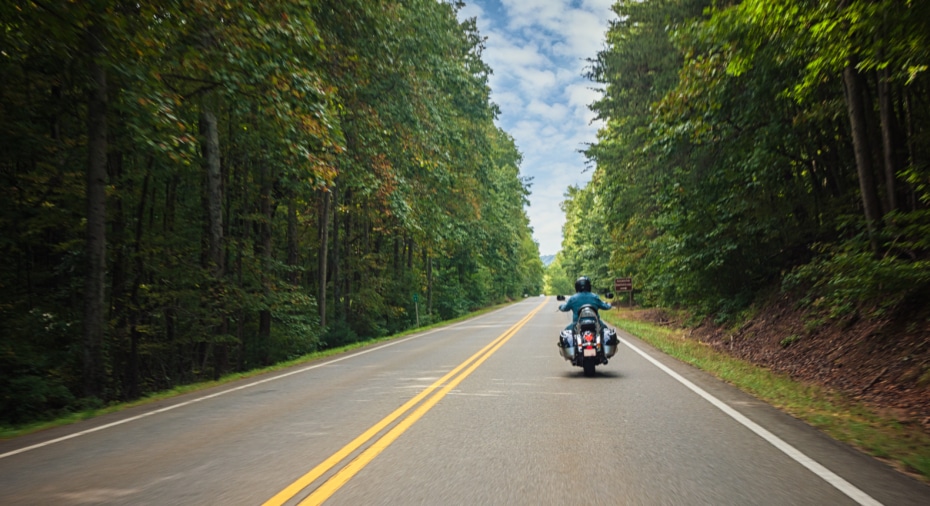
588, 367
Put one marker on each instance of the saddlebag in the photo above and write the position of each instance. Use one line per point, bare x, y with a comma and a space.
567, 345
610, 342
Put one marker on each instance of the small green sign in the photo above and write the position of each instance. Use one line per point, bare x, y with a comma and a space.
416, 297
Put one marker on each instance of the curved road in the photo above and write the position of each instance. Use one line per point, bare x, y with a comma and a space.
479, 412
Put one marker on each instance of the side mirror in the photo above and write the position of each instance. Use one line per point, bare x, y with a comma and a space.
559, 297
609, 295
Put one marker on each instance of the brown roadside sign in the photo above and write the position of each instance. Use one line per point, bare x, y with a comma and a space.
623, 284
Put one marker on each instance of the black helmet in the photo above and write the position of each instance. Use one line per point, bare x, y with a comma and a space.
583, 284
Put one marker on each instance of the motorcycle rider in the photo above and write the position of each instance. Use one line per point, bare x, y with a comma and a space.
583, 297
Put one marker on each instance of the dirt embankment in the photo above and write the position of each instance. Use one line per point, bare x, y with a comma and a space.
883, 362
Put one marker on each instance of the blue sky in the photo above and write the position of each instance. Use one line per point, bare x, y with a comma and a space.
538, 50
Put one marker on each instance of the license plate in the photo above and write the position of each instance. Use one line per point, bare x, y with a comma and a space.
590, 352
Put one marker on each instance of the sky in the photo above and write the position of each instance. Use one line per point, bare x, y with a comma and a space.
538, 50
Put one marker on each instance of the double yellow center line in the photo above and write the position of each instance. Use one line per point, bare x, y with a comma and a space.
444, 385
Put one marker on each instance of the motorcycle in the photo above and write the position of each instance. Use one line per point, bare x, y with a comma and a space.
587, 343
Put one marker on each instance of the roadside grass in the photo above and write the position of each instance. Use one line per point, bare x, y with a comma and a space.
8, 432
902, 444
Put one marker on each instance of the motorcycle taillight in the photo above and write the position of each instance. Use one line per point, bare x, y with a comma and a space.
588, 337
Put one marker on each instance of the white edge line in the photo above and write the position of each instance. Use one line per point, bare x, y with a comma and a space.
241, 387
829, 476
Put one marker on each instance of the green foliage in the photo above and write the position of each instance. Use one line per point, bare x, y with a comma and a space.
788, 341
360, 165
339, 335
33, 384
557, 280
585, 248
850, 278
847, 277
727, 151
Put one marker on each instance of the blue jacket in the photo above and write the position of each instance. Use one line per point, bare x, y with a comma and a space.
575, 302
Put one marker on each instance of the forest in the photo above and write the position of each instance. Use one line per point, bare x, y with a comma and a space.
192, 188
757, 146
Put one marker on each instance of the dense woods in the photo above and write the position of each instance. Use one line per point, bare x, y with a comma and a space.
756, 144
191, 188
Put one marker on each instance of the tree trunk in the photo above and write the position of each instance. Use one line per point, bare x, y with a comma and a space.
911, 146
857, 121
410, 254
216, 253
132, 386
170, 312
264, 316
889, 139
429, 284
347, 257
211, 158
96, 241
337, 288
397, 262
119, 307
324, 247
293, 245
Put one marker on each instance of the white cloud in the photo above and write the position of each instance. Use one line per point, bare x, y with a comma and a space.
506, 100
473, 10
580, 96
533, 12
538, 51
584, 34
506, 53
552, 112
535, 81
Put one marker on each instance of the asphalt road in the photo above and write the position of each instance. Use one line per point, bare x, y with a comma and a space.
480, 412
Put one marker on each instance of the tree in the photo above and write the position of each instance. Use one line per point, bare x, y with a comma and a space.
752, 138
247, 182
